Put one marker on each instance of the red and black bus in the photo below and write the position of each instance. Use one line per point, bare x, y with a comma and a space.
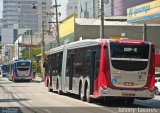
103, 68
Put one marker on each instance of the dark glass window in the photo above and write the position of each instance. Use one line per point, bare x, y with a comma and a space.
44, 3
23, 64
55, 63
129, 57
129, 51
23, 69
81, 59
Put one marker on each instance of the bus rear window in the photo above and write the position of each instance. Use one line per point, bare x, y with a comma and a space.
129, 51
19, 64
23, 69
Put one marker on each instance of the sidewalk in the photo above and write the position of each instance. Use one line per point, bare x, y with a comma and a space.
37, 79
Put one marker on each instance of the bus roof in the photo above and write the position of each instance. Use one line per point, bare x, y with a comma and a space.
22, 60
87, 43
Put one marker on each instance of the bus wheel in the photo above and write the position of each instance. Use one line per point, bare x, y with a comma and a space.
81, 93
57, 87
156, 91
13, 79
130, 101
88, 98
59, 92
49, 88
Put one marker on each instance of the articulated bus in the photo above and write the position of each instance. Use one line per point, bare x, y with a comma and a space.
20, 70
94, 69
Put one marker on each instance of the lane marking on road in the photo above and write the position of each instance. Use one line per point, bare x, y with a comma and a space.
47, 111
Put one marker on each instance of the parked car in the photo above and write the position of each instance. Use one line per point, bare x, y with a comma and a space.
157, 86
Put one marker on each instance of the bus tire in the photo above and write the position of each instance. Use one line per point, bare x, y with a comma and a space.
130, 101
49, 88
58, 90
156, 92
13, 79
87, 93
81, 93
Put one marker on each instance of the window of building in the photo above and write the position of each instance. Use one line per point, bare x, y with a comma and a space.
43, 3
106, 1
44, 8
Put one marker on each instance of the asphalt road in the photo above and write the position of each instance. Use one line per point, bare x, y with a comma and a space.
33, 97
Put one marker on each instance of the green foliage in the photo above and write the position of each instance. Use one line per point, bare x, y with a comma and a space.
34, 64
35, 51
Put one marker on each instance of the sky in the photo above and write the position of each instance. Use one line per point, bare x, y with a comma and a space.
62, 9
63, 4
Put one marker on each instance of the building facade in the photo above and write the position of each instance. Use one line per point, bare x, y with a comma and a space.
90, 8
72, 7
20, 14
9, 35
120, 6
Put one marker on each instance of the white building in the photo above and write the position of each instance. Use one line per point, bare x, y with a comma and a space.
20, 13
72, 7
9, 35
8, 53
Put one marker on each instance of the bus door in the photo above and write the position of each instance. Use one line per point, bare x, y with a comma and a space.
71, 72
92, 70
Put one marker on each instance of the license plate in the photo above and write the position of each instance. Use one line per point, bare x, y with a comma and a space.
128, 94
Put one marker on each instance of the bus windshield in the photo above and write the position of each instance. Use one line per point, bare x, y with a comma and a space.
23, 64
129, 51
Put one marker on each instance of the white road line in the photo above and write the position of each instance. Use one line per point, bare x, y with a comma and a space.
47, 111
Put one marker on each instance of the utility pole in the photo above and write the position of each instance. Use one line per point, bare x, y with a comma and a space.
42, 48
18, 49
144, 32
31, 44
102, 19
57, 22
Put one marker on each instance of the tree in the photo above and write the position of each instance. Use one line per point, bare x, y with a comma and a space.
35, 51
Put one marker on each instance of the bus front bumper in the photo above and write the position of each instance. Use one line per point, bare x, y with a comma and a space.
141, 94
